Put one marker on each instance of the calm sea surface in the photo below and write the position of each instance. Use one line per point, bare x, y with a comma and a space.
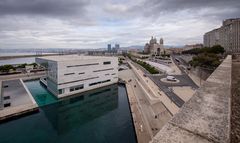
98, 116
27, 60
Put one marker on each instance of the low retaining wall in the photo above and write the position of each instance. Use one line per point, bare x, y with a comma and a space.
206, 116
1, 98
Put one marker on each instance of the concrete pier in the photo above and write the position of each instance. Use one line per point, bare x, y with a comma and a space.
140, 128
149, 117
16, 99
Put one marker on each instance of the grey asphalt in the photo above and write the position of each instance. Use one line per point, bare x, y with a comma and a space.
185, 80
171, 95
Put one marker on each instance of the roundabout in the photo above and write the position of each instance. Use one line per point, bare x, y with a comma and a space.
170, 79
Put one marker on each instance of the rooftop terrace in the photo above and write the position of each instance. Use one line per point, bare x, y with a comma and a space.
15, 99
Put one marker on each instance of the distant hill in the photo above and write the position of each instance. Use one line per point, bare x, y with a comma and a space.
142, 47
133, 47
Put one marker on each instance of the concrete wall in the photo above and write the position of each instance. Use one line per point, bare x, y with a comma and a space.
1, 97
205, 117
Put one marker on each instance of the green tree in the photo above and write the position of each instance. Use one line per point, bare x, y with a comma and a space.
217, 49
6, 68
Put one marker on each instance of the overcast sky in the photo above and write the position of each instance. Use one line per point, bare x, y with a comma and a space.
95, 23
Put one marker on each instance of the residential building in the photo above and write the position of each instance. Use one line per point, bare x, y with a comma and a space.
192, 46
71, 74
228, 36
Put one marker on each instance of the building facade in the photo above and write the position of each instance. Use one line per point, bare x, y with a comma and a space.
109, 47
153, 47
228, 36
67, 75
192, 46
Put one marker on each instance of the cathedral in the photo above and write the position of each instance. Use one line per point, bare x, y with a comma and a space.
153, 47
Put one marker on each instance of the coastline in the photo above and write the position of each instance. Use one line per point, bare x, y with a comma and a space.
25, 56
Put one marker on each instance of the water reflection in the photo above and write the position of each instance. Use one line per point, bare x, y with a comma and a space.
72, 112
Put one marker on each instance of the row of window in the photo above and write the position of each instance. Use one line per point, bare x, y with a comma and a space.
85, 78
105, 63
78, 80
103, 70
109, 74
93, 71
74, 73
83, 65
78, 87
95, 83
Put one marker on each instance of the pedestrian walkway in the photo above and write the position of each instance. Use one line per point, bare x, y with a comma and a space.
154, 90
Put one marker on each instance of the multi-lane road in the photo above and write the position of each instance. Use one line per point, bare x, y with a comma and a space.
184, 80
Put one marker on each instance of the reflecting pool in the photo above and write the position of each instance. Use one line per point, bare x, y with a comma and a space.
97, 116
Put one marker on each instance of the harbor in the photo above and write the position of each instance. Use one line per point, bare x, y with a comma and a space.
104, 110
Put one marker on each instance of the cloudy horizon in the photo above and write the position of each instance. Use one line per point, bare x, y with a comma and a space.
88, 24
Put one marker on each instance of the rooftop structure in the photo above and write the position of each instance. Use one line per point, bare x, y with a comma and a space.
71, 74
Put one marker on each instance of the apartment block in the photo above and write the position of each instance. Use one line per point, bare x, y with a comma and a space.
228, 36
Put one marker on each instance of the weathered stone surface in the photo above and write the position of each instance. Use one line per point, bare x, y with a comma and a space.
206, 116
235, 116
174, 134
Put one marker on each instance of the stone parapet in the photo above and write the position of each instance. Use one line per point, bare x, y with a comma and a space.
206, 116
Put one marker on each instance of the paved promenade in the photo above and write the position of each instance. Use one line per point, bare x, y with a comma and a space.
148, 117
153, 89
141, 129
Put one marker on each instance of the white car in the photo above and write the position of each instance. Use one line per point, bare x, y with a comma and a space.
171, 78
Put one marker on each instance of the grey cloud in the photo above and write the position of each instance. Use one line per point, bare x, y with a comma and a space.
43, 7
86, 23
159, 7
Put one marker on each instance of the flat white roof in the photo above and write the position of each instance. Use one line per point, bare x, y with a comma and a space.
72, 57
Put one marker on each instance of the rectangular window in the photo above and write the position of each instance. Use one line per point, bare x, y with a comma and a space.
82, 65
106, 81
95, 83
103, 70
6, 97
69, 73
7, 104
78, 87
107, 63
60, 91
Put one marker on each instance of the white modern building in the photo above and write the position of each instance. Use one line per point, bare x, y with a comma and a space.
71, 74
